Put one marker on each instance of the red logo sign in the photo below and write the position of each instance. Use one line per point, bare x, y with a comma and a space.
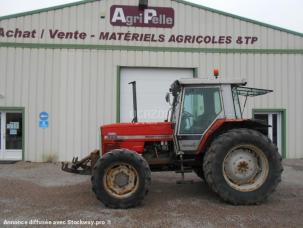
158, 17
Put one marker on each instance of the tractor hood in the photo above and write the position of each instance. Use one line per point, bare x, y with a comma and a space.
138, 129
133, 136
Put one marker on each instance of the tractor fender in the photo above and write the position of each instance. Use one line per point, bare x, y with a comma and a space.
221, 126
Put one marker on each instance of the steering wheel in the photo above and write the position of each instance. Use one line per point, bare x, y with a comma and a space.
187, 114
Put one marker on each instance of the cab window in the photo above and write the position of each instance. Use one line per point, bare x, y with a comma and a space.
200, 108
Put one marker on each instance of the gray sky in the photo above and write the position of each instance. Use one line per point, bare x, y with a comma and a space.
283, 13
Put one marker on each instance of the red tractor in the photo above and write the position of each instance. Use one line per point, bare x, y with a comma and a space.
204, 133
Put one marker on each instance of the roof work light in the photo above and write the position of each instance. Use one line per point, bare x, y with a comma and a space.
216, 73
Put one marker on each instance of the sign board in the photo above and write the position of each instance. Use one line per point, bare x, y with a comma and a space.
43, 116
43, 122
133, 16
13, 132
13, 125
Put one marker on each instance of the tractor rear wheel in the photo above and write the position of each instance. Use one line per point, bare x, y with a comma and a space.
121, 179
243, 167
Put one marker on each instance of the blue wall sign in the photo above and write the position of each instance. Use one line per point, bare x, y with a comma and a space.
43, 122
43, 116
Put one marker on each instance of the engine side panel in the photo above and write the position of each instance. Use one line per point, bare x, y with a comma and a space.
133, 136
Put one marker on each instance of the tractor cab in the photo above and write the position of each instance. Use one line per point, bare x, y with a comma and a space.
197, 104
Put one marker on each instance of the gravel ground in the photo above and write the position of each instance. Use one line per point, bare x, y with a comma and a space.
41, 191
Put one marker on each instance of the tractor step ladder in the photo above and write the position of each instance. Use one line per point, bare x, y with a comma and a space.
183, 171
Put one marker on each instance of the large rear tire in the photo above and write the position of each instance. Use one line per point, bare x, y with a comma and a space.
121, 179
243, 167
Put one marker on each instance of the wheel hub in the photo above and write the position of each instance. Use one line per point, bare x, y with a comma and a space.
241, 166
121, 180
245, 168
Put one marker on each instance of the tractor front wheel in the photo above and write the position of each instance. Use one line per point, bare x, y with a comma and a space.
121, 179
243, 166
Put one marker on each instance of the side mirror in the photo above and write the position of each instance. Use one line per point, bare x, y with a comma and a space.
167, 97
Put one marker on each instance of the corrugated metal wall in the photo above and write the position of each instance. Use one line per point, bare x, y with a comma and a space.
78, 89
78, 86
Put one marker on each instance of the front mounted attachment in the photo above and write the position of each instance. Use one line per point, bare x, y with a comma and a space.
84, 166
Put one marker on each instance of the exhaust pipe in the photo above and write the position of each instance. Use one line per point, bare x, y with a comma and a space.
135, 119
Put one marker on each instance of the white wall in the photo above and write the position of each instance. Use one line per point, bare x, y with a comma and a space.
78, 87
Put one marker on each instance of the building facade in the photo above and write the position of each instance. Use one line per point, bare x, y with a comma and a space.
64, 71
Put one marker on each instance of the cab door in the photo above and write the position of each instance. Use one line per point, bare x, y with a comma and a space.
200, 107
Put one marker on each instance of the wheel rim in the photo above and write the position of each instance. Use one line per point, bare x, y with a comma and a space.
121, 180
245, 168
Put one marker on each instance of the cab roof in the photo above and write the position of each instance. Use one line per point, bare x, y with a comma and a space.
208, 81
